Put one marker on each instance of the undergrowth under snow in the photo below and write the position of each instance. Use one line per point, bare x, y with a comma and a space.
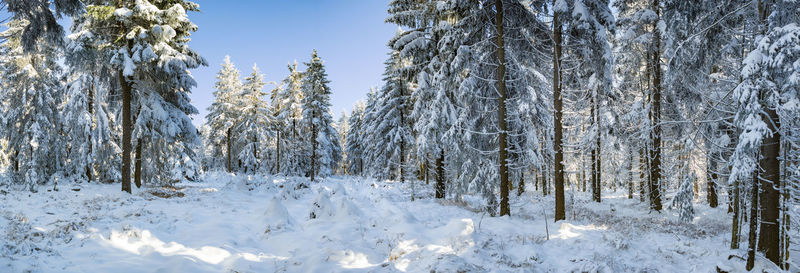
345, 224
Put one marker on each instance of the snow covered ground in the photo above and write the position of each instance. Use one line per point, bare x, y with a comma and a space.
262, 224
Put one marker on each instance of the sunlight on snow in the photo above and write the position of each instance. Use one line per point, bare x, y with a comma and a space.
567, 230
143, 243
351, 260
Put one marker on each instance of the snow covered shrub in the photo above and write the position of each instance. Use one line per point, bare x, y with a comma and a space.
683, 199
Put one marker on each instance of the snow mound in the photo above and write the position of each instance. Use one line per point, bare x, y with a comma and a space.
277, 217
337, 189
321, 207
347, 209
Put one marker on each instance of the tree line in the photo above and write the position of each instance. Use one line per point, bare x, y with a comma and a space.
665, 99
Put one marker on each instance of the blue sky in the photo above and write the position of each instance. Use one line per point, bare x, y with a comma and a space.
349, 35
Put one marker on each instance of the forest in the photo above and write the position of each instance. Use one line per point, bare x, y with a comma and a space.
506, 136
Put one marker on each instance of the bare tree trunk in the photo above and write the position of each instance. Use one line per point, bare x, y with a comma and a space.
655, 171
558, 134
736, 216
313, 152
278, 154
712, 182
521, 186
630, 174
751, 241
769, 233
230, 146
440, 187
126, 132
501, 111
137, 168
90, 109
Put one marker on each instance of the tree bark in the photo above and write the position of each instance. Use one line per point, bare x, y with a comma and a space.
712, 182
230, 146
630, 174
440, 187
751, 241
278, 154
769, 233
501, 112
90, 110
126, 132
558, 134
137, 168
655, 170
313, 149
736, 216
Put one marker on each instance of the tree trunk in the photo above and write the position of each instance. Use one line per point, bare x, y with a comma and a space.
501, 111
137, 168
440, 176
313, 152
630, 174
521, 186
90, 109
751, 241
557, 104
712, 182
655, 170
126, 132
736, 216
769, 233
402, 140
230, 146
278, 154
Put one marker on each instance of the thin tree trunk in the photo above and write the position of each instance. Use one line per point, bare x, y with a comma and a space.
313, 152
278, 154
230, 146
751, 241
521, 186
137, 168
501, 112
712, 182
440, 187
90, 109
630, 174
558, 134
736, 216
126, 132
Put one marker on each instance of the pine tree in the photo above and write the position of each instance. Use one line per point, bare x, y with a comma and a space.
389, 138
323, 141
151, 61
354, 146
252, 125
30, 116
291, 153
222, 113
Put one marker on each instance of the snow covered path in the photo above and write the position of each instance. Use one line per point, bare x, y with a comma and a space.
257, 224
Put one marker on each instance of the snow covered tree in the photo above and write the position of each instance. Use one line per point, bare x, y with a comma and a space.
30, 115
42, 19
147, 43
343, 127
500, 105
768, 94
354, 145
323, 140
222, 113
291, 153
389, 138
252, 127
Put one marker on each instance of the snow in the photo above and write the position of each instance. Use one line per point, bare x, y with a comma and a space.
261, 224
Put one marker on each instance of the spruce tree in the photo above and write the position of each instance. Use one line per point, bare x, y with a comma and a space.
322, 137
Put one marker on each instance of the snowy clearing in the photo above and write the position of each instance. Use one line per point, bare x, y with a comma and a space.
258, 224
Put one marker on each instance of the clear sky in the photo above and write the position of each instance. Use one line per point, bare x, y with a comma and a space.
349, 35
